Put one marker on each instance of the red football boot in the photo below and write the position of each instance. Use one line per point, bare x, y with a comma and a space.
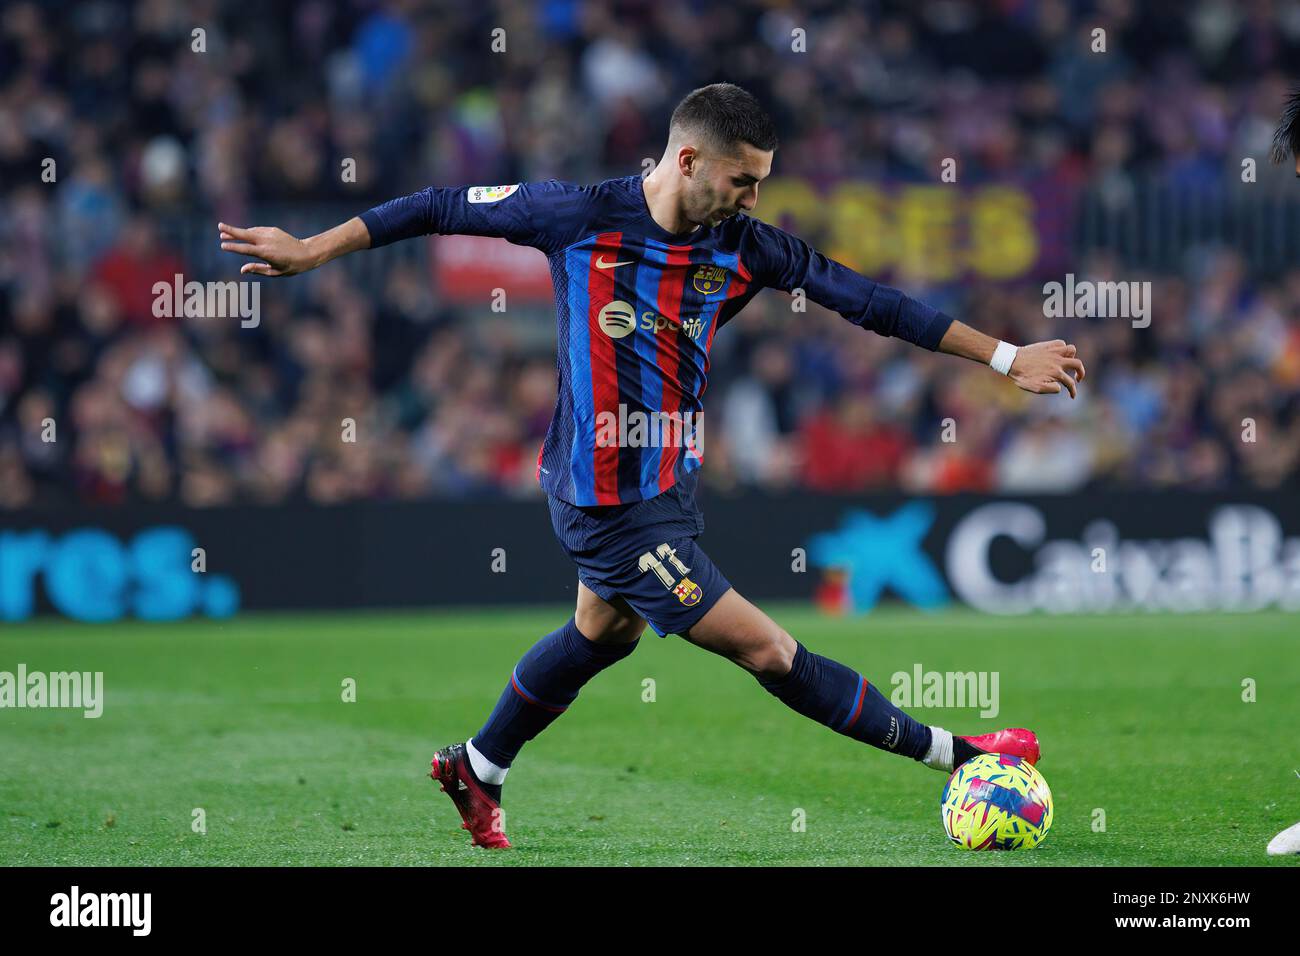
1014, 740
481, 814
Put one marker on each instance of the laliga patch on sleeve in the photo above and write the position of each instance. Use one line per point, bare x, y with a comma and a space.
490, 193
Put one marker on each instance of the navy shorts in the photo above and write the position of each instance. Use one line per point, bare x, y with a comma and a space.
646, 554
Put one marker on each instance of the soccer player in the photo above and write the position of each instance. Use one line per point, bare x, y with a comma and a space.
645, 273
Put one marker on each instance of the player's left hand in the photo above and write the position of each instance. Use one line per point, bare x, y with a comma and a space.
1044, 367
281, 253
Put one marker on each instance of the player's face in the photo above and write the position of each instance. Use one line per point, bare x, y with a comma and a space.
723, 185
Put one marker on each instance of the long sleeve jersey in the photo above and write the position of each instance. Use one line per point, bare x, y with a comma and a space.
636, 311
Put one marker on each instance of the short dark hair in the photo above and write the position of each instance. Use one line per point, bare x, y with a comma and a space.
724, 114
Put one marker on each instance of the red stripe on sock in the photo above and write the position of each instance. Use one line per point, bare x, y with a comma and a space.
857, 708
533, 700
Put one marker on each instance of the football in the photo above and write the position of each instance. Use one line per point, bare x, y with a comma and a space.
996, 802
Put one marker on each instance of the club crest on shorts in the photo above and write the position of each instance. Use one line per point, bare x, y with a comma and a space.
688, 592
658, 561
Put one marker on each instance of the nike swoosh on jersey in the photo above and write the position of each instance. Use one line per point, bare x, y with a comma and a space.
602, 264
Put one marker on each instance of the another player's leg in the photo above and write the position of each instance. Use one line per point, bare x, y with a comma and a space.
835, 695
542, 686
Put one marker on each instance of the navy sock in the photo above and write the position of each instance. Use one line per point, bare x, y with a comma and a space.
839, 697
544, 683
963, 751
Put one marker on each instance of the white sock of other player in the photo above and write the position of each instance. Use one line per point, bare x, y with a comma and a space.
489, 772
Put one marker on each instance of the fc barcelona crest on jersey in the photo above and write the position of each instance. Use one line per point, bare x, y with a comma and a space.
688, 592
709, 279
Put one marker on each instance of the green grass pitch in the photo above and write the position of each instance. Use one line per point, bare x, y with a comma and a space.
1140, 716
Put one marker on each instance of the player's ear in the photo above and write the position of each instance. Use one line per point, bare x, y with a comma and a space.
687, 160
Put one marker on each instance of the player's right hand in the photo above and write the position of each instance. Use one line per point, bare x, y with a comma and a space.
280, 253
1044, 367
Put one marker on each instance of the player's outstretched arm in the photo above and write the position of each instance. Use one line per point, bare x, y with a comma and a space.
281, 254
1042, 367
545, 215
784, 261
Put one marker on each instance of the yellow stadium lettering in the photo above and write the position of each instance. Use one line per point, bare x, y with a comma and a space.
1003, 239
795, 199
927, 218
860, 234
929, 233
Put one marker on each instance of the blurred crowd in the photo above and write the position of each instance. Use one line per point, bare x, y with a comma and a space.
117, 116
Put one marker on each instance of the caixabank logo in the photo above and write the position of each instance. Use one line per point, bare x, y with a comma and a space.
1003, 557
1237, 557
90, 574
869, 554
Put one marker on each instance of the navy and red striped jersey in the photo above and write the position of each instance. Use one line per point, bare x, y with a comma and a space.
637, 308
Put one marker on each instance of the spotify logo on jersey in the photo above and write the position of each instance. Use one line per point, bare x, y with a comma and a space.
617, 319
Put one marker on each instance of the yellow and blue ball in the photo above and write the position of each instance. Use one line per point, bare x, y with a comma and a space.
996, 802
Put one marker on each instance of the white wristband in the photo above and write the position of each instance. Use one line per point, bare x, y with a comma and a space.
1003, 356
